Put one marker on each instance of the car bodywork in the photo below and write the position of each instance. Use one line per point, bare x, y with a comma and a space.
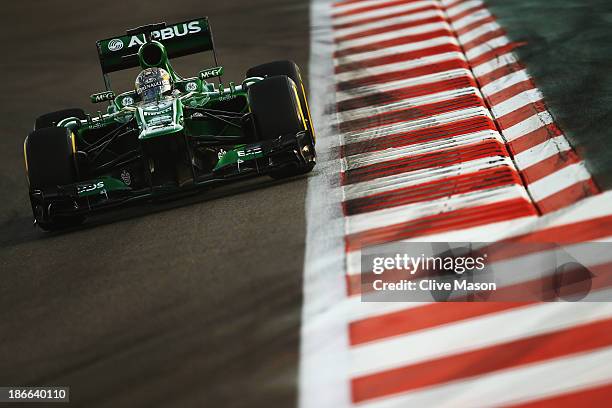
201, 135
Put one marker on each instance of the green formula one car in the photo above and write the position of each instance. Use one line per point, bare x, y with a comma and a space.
169, 135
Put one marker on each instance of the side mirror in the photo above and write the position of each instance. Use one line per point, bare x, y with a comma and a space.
210, 73
102, 97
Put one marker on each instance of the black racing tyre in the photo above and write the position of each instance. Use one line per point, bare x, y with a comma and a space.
275, 108
53, 118
50, 162
292, 70
276, 111
287, 68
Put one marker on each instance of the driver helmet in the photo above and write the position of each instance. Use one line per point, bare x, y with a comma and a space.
152, 83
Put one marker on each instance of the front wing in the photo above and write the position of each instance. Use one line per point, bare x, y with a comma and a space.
104, 193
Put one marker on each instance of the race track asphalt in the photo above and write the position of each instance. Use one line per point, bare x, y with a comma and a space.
566, 47
189, 303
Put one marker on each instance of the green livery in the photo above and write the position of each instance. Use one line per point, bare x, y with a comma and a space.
171, 133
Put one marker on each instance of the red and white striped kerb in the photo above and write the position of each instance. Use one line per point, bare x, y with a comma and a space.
445, 137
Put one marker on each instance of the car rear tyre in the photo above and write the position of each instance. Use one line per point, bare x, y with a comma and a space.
53, 118
50, 163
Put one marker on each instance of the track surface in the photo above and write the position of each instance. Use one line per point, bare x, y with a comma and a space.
567, 50
191, 303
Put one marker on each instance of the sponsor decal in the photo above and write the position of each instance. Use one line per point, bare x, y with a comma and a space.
148, 85
228, 97
115, 45
221, 153
158, 112
211, 72
127, 101
86, 188
250, 151
102, 96
167, 33
191, 86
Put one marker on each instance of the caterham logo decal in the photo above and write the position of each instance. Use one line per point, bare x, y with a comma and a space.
115, 45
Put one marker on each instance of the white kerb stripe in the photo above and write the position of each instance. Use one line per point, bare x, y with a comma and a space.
382, 12
426, 28
559, 180
487, 46
369, 111
493, 64
387, 22
402, 83
396, 49
505, 82
470, 19
478, 31
356, 5
367, 134
516, 102
500, 327
543, 151
395, 215
413, 178
395, 67
460, 8
527, 382
364, 159
529, 125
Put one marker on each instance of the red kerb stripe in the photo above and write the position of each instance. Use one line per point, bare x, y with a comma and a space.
500, 72
494, 53
521, 114
475, 24
434, 190
549, 165
381, 98
412, 113
483, 39
591, 397
397, 57
385, 17
377, 6
443, 158
516, 353
429, 134
466, 13
568, 196
421, 318
407, 39
402, 74
534, 138
392, 27
510, 92
447, 221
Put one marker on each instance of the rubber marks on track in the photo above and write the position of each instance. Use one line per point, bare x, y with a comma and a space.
445, 137
421, 152
552, 171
